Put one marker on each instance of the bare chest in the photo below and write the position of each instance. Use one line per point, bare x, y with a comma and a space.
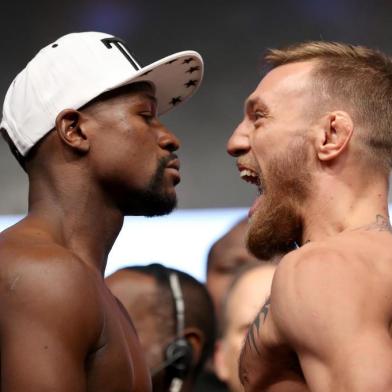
118, 365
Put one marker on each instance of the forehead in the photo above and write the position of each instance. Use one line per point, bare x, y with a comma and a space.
234, 239
284, 85
128, 94
129, 285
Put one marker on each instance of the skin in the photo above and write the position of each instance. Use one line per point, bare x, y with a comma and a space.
61, 328
243, 302
153, 316
327, 324
155, 329
229, 254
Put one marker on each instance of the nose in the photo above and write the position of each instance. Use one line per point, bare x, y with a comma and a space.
238, 144
167, 140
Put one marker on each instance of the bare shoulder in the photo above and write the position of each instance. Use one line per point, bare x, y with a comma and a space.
343, 262
27, 254
320, 288
39, 278
314, 263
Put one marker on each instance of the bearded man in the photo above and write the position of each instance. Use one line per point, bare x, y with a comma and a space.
82, 119
316, 140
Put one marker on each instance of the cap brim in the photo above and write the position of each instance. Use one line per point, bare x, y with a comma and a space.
175, 78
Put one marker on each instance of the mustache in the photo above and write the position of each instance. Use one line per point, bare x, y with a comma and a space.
165, 160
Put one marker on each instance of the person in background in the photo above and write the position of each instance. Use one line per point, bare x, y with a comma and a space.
244, 298
174, 318
226, 257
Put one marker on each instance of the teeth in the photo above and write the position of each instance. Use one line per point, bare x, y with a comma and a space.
247, 173
252, 177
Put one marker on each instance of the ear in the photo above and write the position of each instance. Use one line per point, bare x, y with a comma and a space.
220, 367
334, 135
195, 338
69, 127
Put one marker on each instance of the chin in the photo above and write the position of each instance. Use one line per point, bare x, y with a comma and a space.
274, 229
150, 205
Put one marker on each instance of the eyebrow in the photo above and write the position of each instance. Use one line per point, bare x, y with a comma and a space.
151, 98
251, 102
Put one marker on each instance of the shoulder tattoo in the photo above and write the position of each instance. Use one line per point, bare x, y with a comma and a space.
254, 330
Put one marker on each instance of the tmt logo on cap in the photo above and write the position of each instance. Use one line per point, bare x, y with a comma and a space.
77, 68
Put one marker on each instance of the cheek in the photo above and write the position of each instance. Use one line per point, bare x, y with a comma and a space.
262, 144
257, 141
122, 143
126, 162
271, 137
217, 285
152, 347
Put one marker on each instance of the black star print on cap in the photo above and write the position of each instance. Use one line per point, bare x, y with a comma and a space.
193, 69
176, 100
172, 61
187, 61
191, 83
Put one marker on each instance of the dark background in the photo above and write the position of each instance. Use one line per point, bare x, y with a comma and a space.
231, 36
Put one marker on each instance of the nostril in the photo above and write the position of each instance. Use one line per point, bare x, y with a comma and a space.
170, 143
238, 145
172, 147
235, 150
167, 140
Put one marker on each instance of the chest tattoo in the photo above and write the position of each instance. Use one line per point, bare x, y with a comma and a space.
381, 224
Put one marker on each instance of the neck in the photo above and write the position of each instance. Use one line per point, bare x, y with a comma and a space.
76, 215
345, 205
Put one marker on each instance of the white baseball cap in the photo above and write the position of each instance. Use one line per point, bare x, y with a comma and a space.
77, 68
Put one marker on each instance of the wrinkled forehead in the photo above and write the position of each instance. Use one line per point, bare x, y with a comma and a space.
286, 82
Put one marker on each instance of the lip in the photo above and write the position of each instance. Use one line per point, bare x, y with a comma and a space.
241, 167
251, 173
174, 164
174, 168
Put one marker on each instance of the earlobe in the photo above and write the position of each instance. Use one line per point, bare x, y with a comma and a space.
337, 131
195, 338
70, 130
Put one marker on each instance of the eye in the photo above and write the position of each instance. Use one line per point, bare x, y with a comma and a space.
258, 115
148, 116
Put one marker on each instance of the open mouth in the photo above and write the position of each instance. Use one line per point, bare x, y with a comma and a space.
251, 177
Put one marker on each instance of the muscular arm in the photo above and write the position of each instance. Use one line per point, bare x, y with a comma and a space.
47, 325
266, 362
334, 313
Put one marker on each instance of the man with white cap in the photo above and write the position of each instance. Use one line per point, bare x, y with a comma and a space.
82, 119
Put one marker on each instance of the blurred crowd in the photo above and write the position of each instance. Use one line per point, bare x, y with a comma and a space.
190, 332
